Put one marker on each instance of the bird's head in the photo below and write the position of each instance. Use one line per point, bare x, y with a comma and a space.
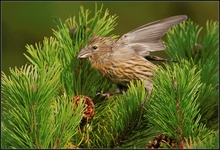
96, 47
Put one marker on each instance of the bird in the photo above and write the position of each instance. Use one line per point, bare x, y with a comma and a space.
128, 58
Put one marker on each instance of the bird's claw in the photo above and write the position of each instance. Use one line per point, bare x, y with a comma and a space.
106, 94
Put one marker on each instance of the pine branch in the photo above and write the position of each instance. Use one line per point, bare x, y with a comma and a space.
172, 100
184, 97
31, 116
116, 118
184, 42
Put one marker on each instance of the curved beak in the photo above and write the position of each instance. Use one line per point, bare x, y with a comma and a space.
84, 53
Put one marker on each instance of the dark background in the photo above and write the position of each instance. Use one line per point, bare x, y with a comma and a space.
29, 22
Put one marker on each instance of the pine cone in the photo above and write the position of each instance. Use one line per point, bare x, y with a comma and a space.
159, 140
89, 105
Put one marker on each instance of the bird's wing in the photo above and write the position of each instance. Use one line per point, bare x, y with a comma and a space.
147, 38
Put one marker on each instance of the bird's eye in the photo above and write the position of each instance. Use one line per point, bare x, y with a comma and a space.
94, 47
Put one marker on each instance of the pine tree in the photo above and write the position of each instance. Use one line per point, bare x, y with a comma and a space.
52, 102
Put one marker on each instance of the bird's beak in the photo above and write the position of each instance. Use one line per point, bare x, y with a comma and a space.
84, 53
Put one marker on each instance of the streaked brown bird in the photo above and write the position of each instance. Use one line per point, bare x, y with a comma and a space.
128, 58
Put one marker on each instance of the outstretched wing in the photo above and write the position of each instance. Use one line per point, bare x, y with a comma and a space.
147, 38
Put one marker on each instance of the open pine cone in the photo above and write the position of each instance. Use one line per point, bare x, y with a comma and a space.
89, 105
159, 140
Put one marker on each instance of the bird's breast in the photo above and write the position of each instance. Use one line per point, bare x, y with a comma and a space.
122, 71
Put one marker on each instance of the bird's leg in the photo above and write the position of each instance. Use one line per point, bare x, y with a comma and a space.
106, 94
156, 58
119, 90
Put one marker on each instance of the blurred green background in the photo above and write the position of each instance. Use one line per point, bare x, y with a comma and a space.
29, 22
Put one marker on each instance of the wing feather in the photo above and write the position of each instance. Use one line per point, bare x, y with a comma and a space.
147, 38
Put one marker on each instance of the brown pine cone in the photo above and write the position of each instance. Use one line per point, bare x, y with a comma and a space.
159, 140
89, 105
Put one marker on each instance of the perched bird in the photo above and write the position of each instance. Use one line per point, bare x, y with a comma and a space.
128, 58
